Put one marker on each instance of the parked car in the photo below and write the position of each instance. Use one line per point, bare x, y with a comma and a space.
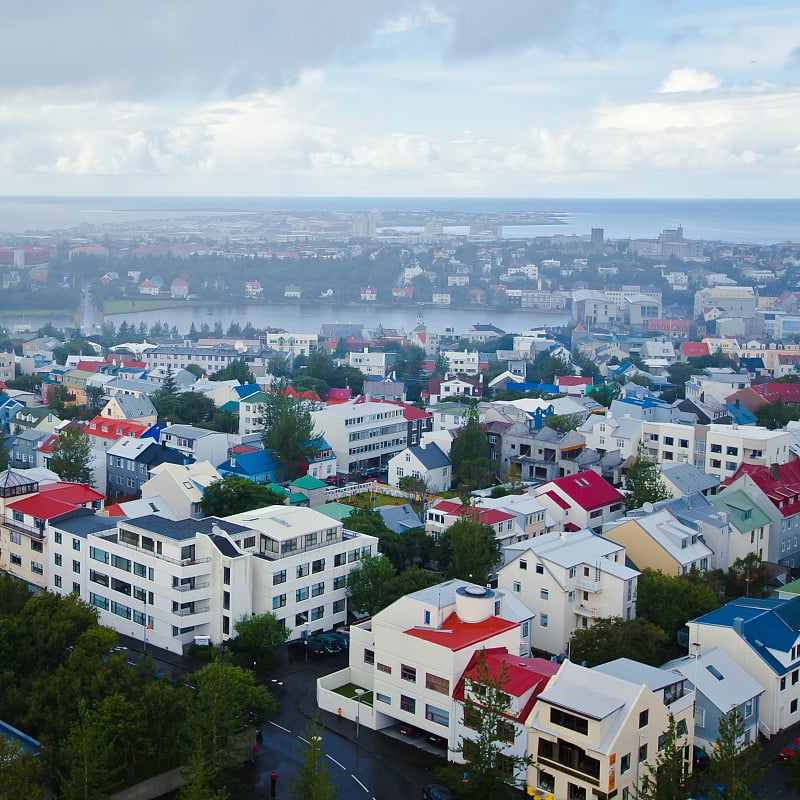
407, 730
307, 648
790, 750
700, 759
342, 638
435, 740
331, 642
435, 791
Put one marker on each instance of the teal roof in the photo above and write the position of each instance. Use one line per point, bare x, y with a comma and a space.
338, 511
793, 587
296, 497
743, 513
231, 406
276, 487
308, 482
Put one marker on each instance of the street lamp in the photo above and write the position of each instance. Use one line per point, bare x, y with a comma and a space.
359, 693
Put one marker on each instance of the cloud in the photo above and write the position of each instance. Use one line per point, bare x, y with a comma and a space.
793, 61
687, 79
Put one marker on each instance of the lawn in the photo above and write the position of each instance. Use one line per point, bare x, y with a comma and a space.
349, 691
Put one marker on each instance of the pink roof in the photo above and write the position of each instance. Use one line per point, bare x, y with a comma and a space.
559, 501
456, 635
488, 516
588, 490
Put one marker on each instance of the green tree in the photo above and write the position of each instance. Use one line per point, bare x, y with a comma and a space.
305, 383
468, 550
72, 455
235, 371
563, 423
669, 600
169, 386
196, 370
411, 579
257, 635
642, 482
289, 431
366, 584
614, 637
776, 414
320, 366
492, 766
665, 779
746, 576
5, 456
313, 780
469, 453
199, 780
21, 772
232, 495
735, 764
605, 393
226, 705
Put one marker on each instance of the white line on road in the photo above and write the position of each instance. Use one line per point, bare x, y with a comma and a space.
280, 726
305, 741
335, 761
360, 784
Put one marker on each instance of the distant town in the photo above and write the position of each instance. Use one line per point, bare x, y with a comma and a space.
581, 537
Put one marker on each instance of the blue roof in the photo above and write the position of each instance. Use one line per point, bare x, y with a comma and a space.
770, 624
741, 415
153, 432
11, 733
247, 390
255, 463
644, 402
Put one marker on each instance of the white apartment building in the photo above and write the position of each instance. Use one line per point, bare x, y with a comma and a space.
251, 414
668, 442
197, 443
595, 732
181, 486
362, 434
171, 581
607, 433
729, 446
530, 517
571, 579
373, 363
412, 654
462, 362
298, 344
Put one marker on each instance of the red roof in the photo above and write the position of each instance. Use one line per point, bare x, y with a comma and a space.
782, 491
114, 428
488, 516
558, 500
76, 493
572, 380
787, 392
588, 490
241, 449
456, 635
519, 676
42, 507
694, 349
91, 366
115, 510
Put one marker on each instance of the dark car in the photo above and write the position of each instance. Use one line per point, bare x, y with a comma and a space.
436, 740
342, 638
435, 791
700, 759
330, 641
307, 648
406, 729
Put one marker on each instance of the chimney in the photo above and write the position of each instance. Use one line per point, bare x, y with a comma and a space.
775, 471
738, 625
738, 402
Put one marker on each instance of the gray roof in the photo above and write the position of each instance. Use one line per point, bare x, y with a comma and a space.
82, 524
399, 519
430, 456
187, 431
32, 435
183, 529
133, 407
689, 479
654, 678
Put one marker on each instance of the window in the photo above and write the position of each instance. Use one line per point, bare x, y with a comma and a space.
748, 709
57, 579
340, 559
783, 683
408, 704
338, 606
570, 721
793, 706
57, 537
226, 601
302, 570
383, 698
340, 582
540, 569
226, 626
226, 576
317, 589
437, 715
76, 566
644, 718
546, 781
369, 656
795, 676
408, 673
544, 620
506, 731
279, 577
279, 601
384, 668
37, 568
98, 555
16, 560
301, 594
58, 559
76, 588
544, 594
437, 684
625, 763
318, 565
76, 544
575, 792
642, 752
699, 717
16, 538
517, 586
317, 613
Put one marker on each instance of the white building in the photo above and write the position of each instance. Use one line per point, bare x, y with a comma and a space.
362, 434
729, 446
462, 362
197, 443
571, 579
181, 486
374, 363
426, 462
298, 344
583, 500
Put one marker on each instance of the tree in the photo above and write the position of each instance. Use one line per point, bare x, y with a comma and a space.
605, 393
21, 772
5, 456
366, 584
169, 386
235, 371
289, 430
320, 366
257, 635
313, 781
776, 414
614, 637
666, 778
468, 550
642, 482
232, 495
734, 764
195, 370
469, 453
199, 780
411, 579
563, 423
72, 455
226, 705
746, 576
493, 767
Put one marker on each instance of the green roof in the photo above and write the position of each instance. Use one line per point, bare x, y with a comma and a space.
297, 497
276, 487
308, 482
744, 514
793, 587
338, 511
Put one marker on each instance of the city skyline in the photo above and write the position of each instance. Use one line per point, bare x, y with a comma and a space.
522, 98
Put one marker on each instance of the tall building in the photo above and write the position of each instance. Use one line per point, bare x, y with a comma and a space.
598, 239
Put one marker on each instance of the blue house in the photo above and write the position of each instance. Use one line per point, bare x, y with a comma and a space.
258, 466
8, 410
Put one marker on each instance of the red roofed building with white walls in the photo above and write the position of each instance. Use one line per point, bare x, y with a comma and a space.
441, 515
584, 500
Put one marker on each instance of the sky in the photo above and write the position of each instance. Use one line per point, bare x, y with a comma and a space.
401, 98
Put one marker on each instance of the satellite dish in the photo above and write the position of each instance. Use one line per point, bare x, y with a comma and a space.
648, 508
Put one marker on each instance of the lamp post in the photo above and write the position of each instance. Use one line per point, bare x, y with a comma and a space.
359, 693
305, 638
144, 600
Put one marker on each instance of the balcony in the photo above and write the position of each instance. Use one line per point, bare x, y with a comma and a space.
586, 611
190, 612
588, 585
26, 530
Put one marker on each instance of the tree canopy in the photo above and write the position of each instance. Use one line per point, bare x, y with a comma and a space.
257, 635
614, 637
232, 495
469, 454
468, 550
72, 455
643, 483
235, 371
366, 584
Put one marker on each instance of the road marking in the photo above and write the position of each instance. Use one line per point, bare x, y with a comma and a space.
359, 783
305, 741
335, 761
280, 726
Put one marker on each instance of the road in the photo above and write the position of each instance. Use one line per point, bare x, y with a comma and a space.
88, 313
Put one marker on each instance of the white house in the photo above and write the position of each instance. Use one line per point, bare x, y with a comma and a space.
181, 486
462, 362
426, 462
197, 443
729, 446
583, 500
571, 579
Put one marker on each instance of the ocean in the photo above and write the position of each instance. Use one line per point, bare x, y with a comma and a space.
737, 221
